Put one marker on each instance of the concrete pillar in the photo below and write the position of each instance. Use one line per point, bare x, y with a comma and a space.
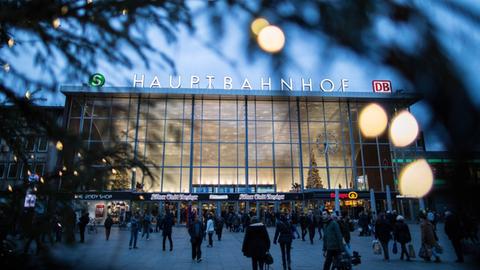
258, 209
373, 207
178, 213
421, 204
236, 207
276, 206
337, 200
389, 198
218, 209
410, 208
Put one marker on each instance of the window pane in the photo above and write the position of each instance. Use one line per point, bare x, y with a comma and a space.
264, 155
264, 110
119, 130
228, 176
76, 110
241, 154
174, 109
283, 157
211, 109
100, 130
39, 169
102, 107
171, 180
196, 176
156, 109
196, 154
209, 176
315, 178
332, 111
120, 107
316, 129
13, 170
173, 154
252, 155
264, 131
155, 130
252, 176
2, 170
265, 176
228, 109
210, 131
228, 155
315, 111
185, 180
282, 131
284, 179
174, 131
74, 126
228, 131
338, 178
154, 153
281, 110
209, 154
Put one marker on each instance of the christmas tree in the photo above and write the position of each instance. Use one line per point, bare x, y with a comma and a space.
313, 180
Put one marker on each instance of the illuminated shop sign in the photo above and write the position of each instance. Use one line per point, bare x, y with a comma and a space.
87, 196
173, 197
346, 196
218, 197
228, 83
261, 197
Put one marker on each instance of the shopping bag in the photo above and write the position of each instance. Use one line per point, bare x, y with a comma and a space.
411, 251
377, 248
425, 252
394, 249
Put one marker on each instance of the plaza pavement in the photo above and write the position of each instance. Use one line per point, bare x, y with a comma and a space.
96, 253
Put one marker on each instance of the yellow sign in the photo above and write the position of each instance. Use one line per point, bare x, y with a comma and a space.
352, 195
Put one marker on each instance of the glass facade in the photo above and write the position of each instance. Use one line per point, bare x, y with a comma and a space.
238, 144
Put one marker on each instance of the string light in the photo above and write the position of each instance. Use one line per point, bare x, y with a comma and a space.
64, 10
124, 11
89, 1
56, 23
6, 67
59, 146
134, 169
104, 160
10, 188
28, 95
11, 42
114, 171
75, 173
28, 172
79, 155
258, 24
42, 180
34, 189
271, 39
15, 158
372, 120
60, 173
64, 168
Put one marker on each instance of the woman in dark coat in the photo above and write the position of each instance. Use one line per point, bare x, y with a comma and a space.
108, 226
401, 234
383, 232
256, 243
283, 233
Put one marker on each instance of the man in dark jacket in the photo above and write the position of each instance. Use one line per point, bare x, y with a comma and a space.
108, 226
332, 240
284, 233
219, 222
401, 234
256, 243
312, 225
303, 225
454, 231
344, 223
196, 231
383, 232
82, 224
167, 225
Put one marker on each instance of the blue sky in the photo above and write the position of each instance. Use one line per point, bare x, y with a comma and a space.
310, 58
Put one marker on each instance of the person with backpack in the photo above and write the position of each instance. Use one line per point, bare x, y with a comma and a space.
332, 240
108, 226
219, 222
383, 232
134, 227
256, 243
167, 224
284, 235
401, 234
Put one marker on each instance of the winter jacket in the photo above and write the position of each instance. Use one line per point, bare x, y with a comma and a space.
219, 224
167, 224
345, 229
196, 235
428, 234
108, 222
383, 230
256, 242
401, 233
283, 232
332, 238
210, 227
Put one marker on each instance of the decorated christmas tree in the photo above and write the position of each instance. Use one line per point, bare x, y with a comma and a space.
313, 180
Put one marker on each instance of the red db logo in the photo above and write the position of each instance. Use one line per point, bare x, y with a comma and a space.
382, 86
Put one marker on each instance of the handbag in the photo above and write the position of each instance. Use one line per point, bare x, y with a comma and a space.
268, 258
377, 248
395, 248
424, 252
438, 248
411, 251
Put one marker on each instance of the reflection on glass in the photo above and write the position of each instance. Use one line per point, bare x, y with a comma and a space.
171, 180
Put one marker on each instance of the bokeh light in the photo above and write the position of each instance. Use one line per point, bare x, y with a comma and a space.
56, 23
59, 146
11, 42
372, 120
416, 179
271, 39
404, 129
258, 24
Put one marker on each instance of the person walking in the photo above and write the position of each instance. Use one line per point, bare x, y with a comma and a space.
195, 230
312, 225
167, 224
158, 226
383, 232
147, 220
401, 234
210, 230
256, 243
429, 241
33, 231
454, 231
82, 224
283, 233
303, 225
134, 227
108, 226
219, 222
344, 223
320, 226
332, 240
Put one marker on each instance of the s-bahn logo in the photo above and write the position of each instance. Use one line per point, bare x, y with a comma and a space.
96, 80
382, 86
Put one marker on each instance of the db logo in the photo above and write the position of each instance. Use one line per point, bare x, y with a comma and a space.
352, 195
382, 86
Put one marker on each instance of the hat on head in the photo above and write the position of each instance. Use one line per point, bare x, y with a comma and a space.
400, 217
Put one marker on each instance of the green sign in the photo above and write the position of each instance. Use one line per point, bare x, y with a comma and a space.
96, 80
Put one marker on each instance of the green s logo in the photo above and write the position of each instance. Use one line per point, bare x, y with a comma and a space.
96, 80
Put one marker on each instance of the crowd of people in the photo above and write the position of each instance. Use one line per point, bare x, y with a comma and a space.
333, 230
